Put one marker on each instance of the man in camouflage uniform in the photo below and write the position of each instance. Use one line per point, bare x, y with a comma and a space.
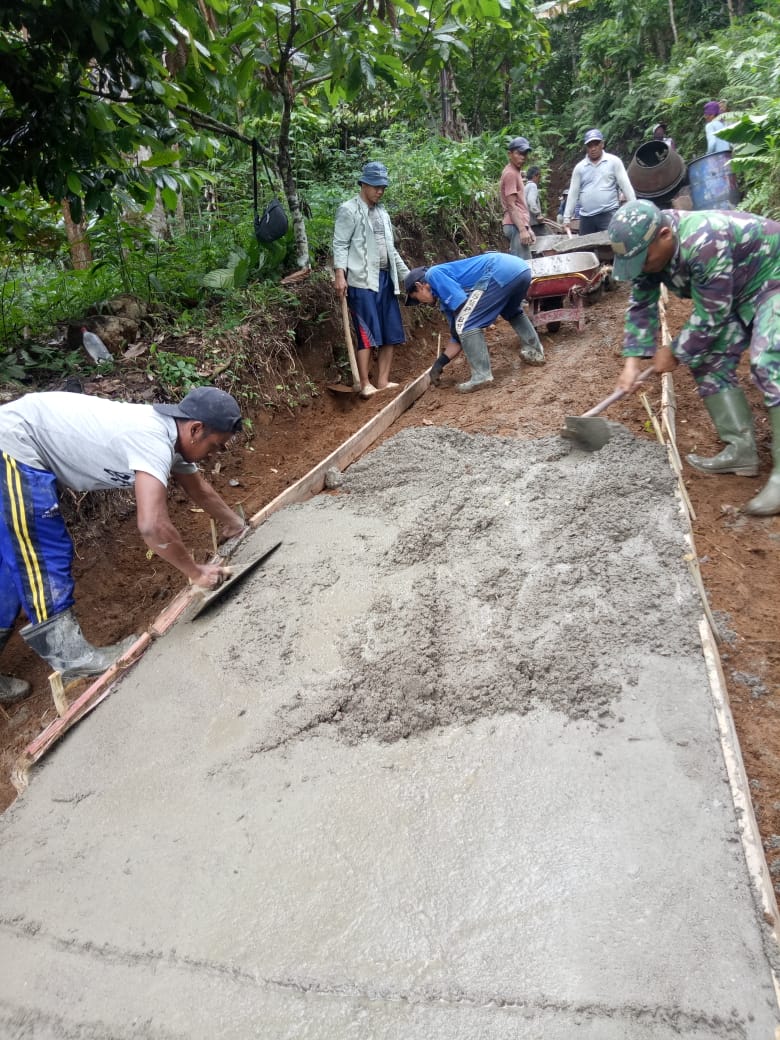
728, 263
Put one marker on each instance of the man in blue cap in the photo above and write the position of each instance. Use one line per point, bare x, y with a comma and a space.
369, 271
516, 220
471, 294
728, 263
55, 440
597, 183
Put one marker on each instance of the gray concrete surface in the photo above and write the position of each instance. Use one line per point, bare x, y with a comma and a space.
446, 767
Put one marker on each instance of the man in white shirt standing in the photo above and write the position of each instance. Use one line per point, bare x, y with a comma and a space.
597, 183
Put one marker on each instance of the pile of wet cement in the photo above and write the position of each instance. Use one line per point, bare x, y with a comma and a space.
498, 575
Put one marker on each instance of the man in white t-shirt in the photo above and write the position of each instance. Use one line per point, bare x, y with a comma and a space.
63, 440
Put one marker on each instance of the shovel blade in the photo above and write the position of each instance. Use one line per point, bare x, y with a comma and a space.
588, 434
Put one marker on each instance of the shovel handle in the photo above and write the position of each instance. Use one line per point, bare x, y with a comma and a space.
616, 395
350, 345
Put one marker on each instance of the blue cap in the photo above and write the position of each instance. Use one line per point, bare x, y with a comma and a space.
593, 135
375, 175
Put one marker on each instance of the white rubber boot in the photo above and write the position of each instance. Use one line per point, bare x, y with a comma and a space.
61, 642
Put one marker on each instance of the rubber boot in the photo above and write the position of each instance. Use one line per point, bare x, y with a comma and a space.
61, 642
767, 501
531, 349
733, 420
476, 351
11, 689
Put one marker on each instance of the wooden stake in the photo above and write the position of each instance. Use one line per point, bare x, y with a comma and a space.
653, 420
214, 539
58, 693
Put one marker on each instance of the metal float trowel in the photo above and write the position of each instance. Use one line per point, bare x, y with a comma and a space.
229, 585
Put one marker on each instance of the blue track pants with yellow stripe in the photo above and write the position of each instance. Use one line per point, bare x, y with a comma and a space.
35, 548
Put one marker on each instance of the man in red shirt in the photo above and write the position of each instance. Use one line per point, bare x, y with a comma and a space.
516, 220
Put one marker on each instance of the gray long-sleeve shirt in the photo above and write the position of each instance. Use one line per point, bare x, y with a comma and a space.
597, 186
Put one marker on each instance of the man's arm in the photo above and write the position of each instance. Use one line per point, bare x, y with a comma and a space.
624, 183
573, 197
157, 530
342, 236
203, 494
640, 331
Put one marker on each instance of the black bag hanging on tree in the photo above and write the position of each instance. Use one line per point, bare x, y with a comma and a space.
272, 225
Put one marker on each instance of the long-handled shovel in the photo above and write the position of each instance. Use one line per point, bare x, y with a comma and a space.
590, 433
343, 388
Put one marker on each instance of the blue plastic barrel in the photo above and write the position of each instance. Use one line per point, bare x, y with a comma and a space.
713, 185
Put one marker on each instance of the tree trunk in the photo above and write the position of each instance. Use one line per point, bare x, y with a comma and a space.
453, 125
80, 249
287, 174
672, 21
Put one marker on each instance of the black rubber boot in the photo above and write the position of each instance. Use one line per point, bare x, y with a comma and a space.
767, 501
61, 642
476, 351
733, 420
11, 689
531, 349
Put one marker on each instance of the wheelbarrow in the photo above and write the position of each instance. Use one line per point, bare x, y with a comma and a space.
559, 287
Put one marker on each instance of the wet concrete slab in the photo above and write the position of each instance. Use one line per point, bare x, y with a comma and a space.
447, 766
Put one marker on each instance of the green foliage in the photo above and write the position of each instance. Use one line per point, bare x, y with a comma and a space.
176, 373
756, 139
83, 85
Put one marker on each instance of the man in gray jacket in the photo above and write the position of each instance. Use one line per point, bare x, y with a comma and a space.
369, 272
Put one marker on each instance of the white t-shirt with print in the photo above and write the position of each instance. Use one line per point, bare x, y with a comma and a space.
89, 443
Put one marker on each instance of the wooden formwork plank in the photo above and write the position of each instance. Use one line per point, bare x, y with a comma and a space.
83, 704
314, 481
747, 824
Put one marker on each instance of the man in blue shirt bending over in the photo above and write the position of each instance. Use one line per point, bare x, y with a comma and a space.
471, 294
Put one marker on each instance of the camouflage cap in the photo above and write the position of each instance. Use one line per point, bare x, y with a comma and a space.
631, 231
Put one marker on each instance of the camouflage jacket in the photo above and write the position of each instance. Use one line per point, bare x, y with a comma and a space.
724, 261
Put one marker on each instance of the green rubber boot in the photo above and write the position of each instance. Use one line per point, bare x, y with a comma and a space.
733, 420
61, 642
11, 689
767, 501
476, 351
531, 349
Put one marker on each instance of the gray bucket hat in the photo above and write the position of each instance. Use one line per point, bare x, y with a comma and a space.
374, 174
